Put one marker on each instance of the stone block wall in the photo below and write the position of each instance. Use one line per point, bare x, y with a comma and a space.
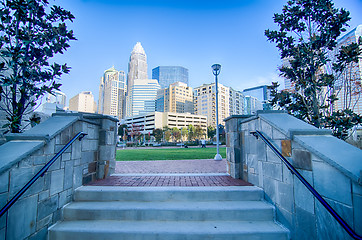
330, 165
23, 155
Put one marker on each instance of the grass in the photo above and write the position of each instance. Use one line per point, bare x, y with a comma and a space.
168, 154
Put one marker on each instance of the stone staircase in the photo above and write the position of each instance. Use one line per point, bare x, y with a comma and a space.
167, 213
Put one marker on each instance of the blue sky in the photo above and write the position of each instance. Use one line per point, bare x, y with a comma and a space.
191, 33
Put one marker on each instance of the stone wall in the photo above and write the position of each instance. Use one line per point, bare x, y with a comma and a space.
23, 155
331, 166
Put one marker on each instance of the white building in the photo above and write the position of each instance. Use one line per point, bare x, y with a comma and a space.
146, 123
112, 91
83, 102
236, 102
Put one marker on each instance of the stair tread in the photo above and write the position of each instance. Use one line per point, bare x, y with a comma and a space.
182, 227
183, 205
171, 188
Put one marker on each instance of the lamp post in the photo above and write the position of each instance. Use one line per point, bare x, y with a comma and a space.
216, 71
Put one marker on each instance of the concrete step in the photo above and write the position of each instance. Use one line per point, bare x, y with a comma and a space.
170, 211
163, 194
180, 230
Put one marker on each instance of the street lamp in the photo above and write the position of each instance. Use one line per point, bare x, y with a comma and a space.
216, 71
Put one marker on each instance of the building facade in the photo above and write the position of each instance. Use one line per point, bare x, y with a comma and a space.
178, 97
112, 91
348, 86
167, 75
205, 102
53, 102
83, 102
236, 102
261, 93
142, 96
252, 105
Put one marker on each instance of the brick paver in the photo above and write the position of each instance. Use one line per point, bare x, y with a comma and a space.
172, 166
162, 181
200, 172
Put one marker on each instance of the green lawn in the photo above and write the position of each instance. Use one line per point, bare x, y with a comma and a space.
168, 154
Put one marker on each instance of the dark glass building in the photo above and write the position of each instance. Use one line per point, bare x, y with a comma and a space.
167, 75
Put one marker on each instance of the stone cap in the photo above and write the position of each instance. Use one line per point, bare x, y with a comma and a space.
90, 116
337, 153
51, 127
237, 116
289, 125
13, 151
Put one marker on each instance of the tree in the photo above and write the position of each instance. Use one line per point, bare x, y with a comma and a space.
199, 132
307, 33
135, 132
191, 130
32, 32
176, 133
158, 134
211, 132
184, 133
167, 133
122, 130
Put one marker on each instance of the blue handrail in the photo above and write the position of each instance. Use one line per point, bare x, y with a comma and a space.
339, 219
41, 173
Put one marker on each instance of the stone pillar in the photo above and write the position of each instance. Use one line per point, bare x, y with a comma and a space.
234, 145
107, 147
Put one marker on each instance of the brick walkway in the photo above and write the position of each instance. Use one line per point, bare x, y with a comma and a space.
174, 166
171, 173
161, 181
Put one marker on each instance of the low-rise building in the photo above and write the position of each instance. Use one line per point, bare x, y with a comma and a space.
146, 123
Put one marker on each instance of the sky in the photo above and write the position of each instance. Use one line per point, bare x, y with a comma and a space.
194, 34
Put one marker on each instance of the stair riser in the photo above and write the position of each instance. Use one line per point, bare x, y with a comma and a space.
171, 236
167, 196
170, 215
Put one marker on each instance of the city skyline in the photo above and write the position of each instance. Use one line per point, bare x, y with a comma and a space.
191, 34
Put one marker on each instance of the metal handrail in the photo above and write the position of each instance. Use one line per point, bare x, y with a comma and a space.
41, 173
339, 219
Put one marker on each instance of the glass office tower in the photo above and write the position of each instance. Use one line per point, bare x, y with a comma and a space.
167, 75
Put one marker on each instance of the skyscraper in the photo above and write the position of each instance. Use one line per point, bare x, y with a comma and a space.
137, 66
141, 97
112, 90
141, 94
177, 98
167, 75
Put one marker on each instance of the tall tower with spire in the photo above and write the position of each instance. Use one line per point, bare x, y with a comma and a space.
141, 91
137, 66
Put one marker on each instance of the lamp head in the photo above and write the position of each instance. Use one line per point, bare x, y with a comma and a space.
216, 69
